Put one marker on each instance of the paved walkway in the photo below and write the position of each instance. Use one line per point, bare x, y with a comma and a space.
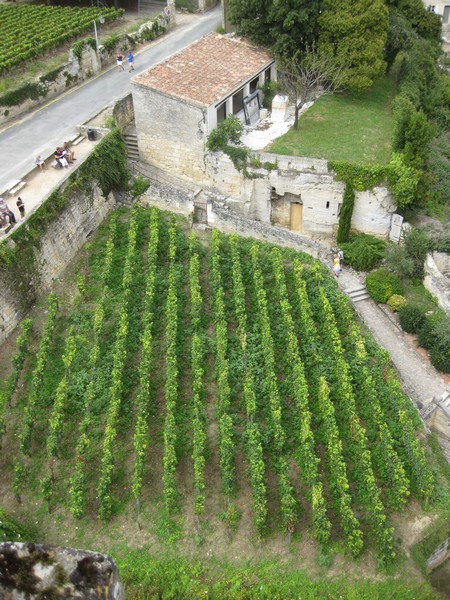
420, 379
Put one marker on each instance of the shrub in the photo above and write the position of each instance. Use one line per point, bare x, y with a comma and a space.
363, 251
396, 302
440, 352
428, 333
417, 244
269, 89
229, 130
139, 186
411, 318
382, 284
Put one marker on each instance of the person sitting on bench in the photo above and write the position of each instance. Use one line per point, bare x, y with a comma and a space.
60, 158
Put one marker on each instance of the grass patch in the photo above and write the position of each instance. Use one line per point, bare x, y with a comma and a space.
170, 576
355, 128
416, 294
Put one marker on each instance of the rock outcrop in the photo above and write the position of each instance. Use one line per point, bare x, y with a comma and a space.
36, 571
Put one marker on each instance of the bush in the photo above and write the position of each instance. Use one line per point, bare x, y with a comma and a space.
411, 318
396, 302
363, 252
229, 130
139, 186
440, 352
428, 333
382, 284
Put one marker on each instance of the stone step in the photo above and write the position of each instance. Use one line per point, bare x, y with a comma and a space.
358, 294
78, 140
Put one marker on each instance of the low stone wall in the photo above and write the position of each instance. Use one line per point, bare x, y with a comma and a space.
56, 249
437, 278
76, 70
38, 571
228, 221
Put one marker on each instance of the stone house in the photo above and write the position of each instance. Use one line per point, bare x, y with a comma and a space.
179, 101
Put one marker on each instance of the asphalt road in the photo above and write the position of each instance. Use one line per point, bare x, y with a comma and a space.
47, 127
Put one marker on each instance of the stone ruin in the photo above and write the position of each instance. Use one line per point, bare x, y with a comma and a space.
37, 571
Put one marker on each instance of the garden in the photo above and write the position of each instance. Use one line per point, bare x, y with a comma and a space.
189, 384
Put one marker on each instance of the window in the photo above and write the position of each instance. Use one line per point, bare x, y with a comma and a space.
238, 102
328, 204
267, 75
254, 85
446, 14
221, 113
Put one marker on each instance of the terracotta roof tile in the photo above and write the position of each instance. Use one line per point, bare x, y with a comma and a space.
207, 70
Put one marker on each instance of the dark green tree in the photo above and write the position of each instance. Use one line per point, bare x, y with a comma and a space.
424, 23
355, 33
286, 25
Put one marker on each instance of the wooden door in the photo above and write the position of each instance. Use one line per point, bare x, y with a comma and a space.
296, 221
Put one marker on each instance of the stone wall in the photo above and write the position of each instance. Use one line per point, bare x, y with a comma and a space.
75, 71
57, 248
123, 112
39, 571
71, 73
437, 278
170, 133
269, 192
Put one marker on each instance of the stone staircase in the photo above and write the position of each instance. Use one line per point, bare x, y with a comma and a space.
131, 142
358, 293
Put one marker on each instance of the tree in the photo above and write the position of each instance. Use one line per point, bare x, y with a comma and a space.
285, 25
307, 75
355, 32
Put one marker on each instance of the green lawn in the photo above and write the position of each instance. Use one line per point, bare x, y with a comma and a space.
344, 127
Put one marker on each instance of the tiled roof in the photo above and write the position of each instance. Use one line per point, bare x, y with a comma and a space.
207, 70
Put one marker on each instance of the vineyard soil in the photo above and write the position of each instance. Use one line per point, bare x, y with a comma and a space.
285, 371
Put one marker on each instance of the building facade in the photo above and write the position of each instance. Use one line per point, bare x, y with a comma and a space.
179, 101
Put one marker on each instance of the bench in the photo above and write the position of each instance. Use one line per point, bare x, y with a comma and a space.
17, 188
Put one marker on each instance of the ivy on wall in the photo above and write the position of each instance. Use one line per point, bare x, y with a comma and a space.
345, 216
356, 177
106, 165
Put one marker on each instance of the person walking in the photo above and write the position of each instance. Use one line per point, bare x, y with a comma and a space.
119, 61
130, 59
341, 257
21, 206
336, 266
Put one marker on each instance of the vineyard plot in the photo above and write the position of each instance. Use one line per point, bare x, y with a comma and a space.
176, 350
27, 31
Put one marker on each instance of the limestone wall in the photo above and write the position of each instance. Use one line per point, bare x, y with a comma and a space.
70, 74
170, 133
123, 112
437, 278
269, 192
57, 248
373, 211
75, 71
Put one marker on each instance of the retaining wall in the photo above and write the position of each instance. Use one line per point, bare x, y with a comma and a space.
57, 248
